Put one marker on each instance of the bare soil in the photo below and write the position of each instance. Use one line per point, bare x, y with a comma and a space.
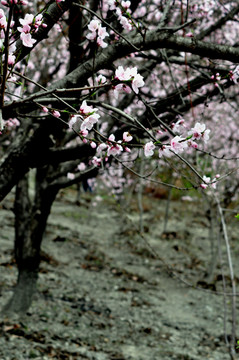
105, 292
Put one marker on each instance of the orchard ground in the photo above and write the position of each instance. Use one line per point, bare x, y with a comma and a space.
104, 292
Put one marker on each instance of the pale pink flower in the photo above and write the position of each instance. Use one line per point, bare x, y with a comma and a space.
89, 122
178, 125
3, 21
197, 131
126, 4
165, 151
112, 4
45, 109
11, 59
72, 121
111, 137
101, 42
96, 161
127, 137
84, 132
70, 176
192, 144
121, 87
149, 149
102, 33
93, 144
81, 166
115, 149
177, 144
102, 147
97, 31
26, 29
137, 83
27, 39
28, 19
101, 79
56, 113
205, 135
125, 23
94, 25
86, 109
122, 74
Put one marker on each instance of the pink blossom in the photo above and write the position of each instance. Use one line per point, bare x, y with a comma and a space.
127, 137
101, 79
121, 87
96, 161
97, 31
197, 131
45, 109
205, 135
56, 113
93, 144
178, 125
3, 21
115, 149
11, 59
149, 149
178, 144
89, 122
126, 4
122, 74
101, 147
112, 4
101, 42
125, 23
70, 176
94, 25
128, 150
72, 121
112, 137
28, 19
27, 39
25, 29
192, 144
84, 132
137, 83
165, 151
86, 109
81, 166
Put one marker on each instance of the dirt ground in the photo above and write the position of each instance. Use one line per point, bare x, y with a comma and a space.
106, 293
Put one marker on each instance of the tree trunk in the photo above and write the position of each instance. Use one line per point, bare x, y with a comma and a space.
30, 223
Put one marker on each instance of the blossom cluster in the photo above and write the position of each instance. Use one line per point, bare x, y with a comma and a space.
129, 75
89, 117
209, 182
122, 8
179, 143
10, 124
111, 147
97, 33
30, 24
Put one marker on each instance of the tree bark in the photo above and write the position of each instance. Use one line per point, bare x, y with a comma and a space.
30, 224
